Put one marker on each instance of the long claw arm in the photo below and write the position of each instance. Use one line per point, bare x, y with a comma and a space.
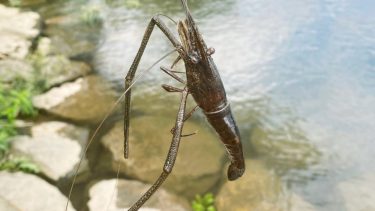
130, 76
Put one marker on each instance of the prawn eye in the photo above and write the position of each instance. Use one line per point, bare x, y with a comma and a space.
210, 51
194, 57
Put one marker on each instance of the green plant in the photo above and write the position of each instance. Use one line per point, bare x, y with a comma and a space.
91, 15
205, 203
18, 164
6, 131
15, 3
38, 82
13, 102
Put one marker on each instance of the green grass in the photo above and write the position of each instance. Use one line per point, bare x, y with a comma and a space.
204, 203
18, 164
14, 102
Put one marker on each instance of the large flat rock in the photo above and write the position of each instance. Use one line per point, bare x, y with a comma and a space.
119, 195
86, 99
20, 191
55, 147
199, 160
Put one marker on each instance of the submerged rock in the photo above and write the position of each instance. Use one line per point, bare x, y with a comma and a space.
110, 195
359, 193
198, 163
17, 30
284, 149
258, 189
55, 147
86, 99
20, 191
70, 36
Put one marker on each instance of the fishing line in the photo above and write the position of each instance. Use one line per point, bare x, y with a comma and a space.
105, 118
116, 185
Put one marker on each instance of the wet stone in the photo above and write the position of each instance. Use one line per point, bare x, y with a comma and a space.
198, 163
13, 69
20, 191
127, 192
59, 69
85, 100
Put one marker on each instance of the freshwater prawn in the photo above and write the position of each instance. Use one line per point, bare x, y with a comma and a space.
202, 82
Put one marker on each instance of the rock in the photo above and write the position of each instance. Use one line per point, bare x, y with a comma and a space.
44, 46
198, 163
63, 129
55, 147
258, 189
105, 196
62, 20
59, 69
17, 30
86, 100
13, 69
20, 191
58, 95
284, 150
54, 70
359, 193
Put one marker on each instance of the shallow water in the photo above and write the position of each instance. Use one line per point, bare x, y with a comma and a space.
301, 71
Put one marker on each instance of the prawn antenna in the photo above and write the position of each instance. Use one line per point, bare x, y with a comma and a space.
166, 16
186, 10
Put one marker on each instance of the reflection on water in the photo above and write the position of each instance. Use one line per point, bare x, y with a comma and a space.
300, 75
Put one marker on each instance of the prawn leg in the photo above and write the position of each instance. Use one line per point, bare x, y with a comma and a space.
172, 74
172, 153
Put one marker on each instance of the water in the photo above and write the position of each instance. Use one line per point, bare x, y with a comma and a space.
302, 71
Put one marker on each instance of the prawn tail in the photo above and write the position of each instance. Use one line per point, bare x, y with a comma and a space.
225, 126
